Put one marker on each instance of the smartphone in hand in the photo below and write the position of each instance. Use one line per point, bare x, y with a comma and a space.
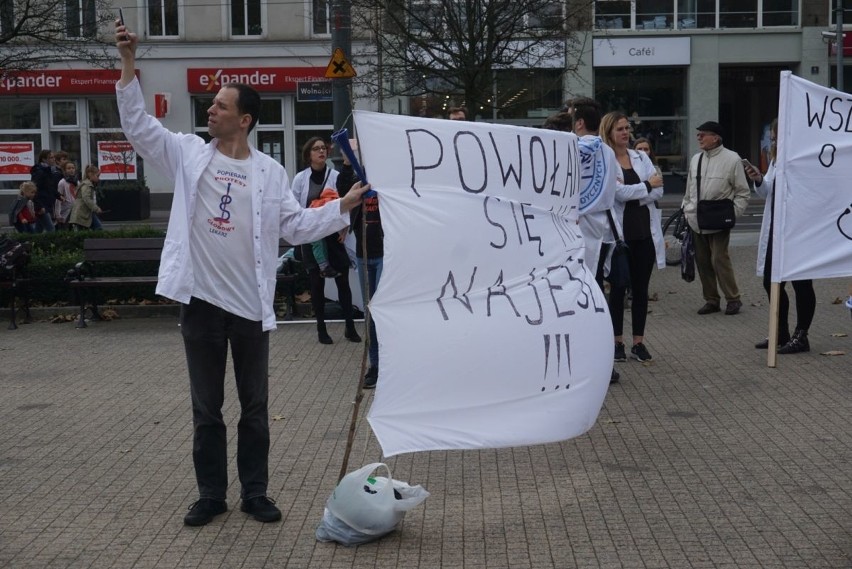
123, 37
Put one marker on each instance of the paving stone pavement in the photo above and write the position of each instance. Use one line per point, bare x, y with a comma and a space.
702, 458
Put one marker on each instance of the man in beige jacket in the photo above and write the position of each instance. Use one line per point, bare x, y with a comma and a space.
722, 177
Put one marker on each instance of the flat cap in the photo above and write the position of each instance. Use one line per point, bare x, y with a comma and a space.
714, 127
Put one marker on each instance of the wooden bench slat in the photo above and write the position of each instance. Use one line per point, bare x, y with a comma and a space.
122, 255
130, 243
110, 281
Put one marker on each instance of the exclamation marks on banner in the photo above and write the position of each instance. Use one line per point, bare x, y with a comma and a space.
557, 352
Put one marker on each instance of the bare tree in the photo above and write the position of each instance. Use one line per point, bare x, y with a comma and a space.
37, 33
452, 48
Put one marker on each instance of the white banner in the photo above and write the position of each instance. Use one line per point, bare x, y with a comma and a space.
813, 197
492, 333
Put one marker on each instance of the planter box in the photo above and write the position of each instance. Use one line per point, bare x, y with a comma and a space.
131, 204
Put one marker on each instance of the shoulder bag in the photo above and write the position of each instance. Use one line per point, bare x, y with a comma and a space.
713, 214
619, 264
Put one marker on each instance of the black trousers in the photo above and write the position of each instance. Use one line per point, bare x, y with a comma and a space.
805, 298
344, 295
207, 332
642, 259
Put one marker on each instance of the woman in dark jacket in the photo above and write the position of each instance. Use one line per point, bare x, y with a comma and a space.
46, 177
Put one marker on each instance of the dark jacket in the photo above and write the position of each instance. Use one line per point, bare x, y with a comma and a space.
46, 179
368, 211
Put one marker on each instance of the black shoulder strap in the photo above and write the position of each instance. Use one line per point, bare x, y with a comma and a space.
612, 225
698, 178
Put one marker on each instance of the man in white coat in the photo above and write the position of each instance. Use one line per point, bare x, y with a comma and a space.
231, 205
597, 187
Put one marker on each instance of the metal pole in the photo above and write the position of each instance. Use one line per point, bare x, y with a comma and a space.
838, 19
341, 37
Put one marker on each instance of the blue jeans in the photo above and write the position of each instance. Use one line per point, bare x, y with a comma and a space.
374, 273
44, 223
207, 330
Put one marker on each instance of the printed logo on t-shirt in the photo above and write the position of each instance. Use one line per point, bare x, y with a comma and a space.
221, 224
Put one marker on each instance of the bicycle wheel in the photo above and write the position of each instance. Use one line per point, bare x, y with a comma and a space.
673, 230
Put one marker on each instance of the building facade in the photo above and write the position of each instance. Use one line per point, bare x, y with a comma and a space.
187, 51
670, 65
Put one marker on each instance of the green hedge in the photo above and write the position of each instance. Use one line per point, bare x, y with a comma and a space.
55, 253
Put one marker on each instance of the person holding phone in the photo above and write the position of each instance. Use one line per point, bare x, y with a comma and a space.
232, 204
764, 186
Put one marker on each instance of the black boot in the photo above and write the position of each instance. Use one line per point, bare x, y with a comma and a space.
351, 333
783, 339
322, 333
798, 343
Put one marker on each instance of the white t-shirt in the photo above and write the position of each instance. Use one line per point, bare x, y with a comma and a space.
220, 241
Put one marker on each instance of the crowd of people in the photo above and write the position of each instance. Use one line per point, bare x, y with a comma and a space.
230, 199
629, 213
55, 197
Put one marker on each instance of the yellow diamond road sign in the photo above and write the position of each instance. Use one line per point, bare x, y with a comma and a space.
339, 67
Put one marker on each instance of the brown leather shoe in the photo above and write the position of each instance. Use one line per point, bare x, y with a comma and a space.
733, 307
709, 308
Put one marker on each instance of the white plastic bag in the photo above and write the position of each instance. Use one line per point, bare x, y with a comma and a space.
363, 508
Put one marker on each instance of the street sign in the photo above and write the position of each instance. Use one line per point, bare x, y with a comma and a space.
313, 91
339, 67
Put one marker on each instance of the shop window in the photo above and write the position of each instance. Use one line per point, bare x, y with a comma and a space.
526, 93
271, 112
246, 18
163, 18
321, 17
199, 114
314, 113
653, 99
103, 113
63, 113
19, 114
81, 19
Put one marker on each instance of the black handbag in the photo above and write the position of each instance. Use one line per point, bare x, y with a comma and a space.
713, 214
687, 257
619, 264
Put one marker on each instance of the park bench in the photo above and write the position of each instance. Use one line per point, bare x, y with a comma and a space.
83, 278
15, 283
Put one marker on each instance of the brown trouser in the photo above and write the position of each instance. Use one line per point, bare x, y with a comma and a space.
714, 263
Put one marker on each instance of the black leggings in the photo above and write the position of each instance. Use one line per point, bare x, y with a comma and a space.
642, 259
805, 299
344, 294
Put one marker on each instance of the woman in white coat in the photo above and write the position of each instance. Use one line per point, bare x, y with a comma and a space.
764, 186
639, 186
307, 186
